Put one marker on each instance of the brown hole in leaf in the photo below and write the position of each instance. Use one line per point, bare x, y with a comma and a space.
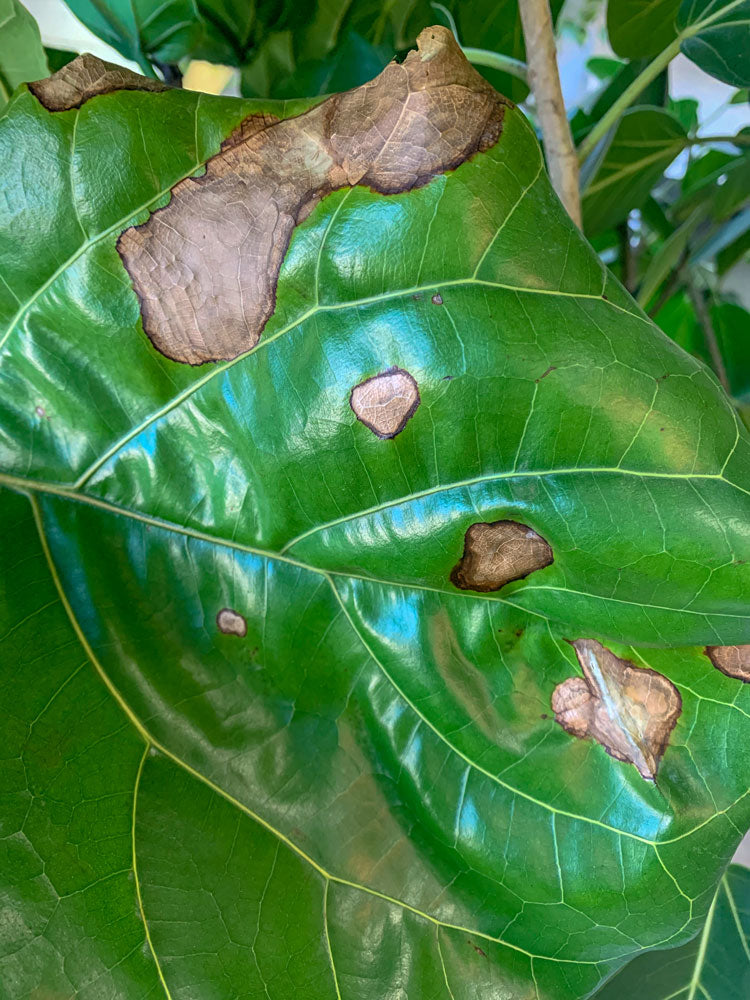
734, 661
497, 552
85, 77
631, 711
205, 266
231, 622
437, 299
386, 402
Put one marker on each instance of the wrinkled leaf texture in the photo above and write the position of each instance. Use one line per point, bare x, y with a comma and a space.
365, 796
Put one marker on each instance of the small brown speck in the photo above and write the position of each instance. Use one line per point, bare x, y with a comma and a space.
437, 299
231, 622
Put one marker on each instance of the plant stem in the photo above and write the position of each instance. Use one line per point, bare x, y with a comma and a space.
544, 80
626, 98
495, 60
737, 140
704, 318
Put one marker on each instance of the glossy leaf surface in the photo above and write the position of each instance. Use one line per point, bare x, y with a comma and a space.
373, 759
714, 966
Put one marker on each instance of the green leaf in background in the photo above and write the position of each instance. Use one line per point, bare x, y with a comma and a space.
222, 31
644, 143
22, 56
638, 29
655, 94
714, 966
732, 325
715, 34
253, 718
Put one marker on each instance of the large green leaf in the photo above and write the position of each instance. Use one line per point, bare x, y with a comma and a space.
714, 966
22, 56
258, 742
644, 143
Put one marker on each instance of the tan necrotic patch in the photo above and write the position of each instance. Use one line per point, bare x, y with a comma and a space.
85, 77
231, 622
385, 403
734, 661
497, 552
205, 266
631, 711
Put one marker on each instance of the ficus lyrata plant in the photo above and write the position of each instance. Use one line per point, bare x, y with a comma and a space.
375, 571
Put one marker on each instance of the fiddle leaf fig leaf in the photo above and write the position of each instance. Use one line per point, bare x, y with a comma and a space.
715, 965
363, 544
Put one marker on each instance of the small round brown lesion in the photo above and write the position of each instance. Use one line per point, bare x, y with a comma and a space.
498, 552
231, 622
386, 402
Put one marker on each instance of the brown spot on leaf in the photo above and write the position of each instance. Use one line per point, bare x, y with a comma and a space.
231, 622
477, 949
437, 299
552, 368
386, 402
631, 711
734, 661
205, 266
85, 77
498, 552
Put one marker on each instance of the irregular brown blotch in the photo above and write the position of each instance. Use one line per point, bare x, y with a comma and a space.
498, 552
631, 711
231, 622
85, 77
437, 299
734, 661
385, 403
205, 266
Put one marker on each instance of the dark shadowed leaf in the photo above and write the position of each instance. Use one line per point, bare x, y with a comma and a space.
279, 703
713, 966
639, 29
644, 144
715, 34
732, 325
